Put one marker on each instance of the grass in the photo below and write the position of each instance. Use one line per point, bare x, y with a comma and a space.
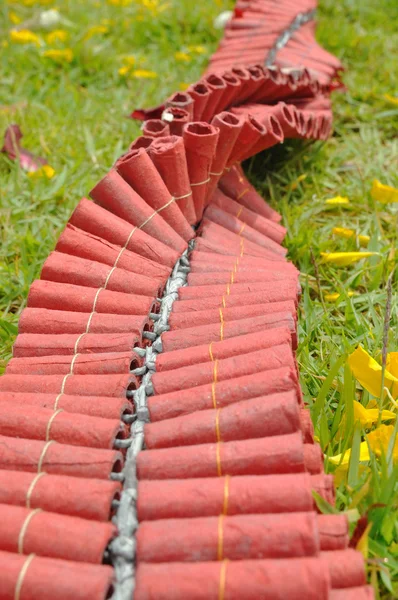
74, 115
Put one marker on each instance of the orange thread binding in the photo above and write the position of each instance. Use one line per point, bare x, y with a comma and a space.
213, 385
226, 495
218, 459
21, 576
220, 543
223, 578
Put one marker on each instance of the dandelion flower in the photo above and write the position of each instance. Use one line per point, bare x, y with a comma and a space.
383, 193
349, 233
25, 36
60, 56
337, 200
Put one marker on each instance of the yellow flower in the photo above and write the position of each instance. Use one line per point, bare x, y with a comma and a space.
14, 18
182, 56
44, 171
369, 416
335, 296
25, 36
97, 29
342, 259
197, 49
392, 99
349, 233
383, 193
368, 372
378, 440
143, 74
120, 2
58, 35
337, 200
123, 71
65, 55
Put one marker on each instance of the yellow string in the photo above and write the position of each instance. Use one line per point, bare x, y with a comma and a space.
226, 495
223, 577
24, 528
221, 325
218, 459
32, 487
220, 544
21, 576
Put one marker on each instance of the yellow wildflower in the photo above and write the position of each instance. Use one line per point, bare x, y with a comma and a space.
337, 200
335, 296
65, 55
143, 74
369, 416
383, 193
196, 49
123, 71
349, 233
378, 440
120, 2
14, 18
58, 35
44, 171
182, 57
342, 259
368, 372
97, 29
392, 99
25, 36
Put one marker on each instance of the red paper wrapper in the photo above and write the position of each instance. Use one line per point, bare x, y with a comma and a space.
48, 578
227, 537
58, 459
177, 118
83, 385
143, 114
42, 320
233, 246
48, 534
144, 141
249, 135
34, 423
204, 261
140, 172
95, 406
235, 185
64, 268
36, 344
229, 127
77, 298
117, 196
155, 128
290, 579
264, 226
12, 147
232, 90
83, 364
168, 155
79, 243
200, 93
218, 88
200, 140
273, 135
262, 456
277, 414
98, 221
226, 368
243, 344
60, 494
182, 100
232, 223
346, 568
333, 532
285, 289
269, 494
364, 592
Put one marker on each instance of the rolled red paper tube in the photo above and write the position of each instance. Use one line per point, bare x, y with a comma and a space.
182, 100
234, 245
264, 226
333, 532
60, 494
64, 268
48, 534
277, 311
200, 140
232, 223
365, 592
177, 118
143, 114
141, 174
95, 406
250, 494
58, 459
262, 456
155, 128
223, 537
49, 578
85, 245
324, 486
117, 196
218, 88
238, 346
273, 135
200, 93
144, 141
249, 135
83, 385
346, 567
290, 579
275, 273
277, 414
307, 427
233, 86
234, 184
36, 344
270, 291
229, 127
226, 262
61, 426
69, 297
42, 320
215, 233
108, 362
226, 368
168, 156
